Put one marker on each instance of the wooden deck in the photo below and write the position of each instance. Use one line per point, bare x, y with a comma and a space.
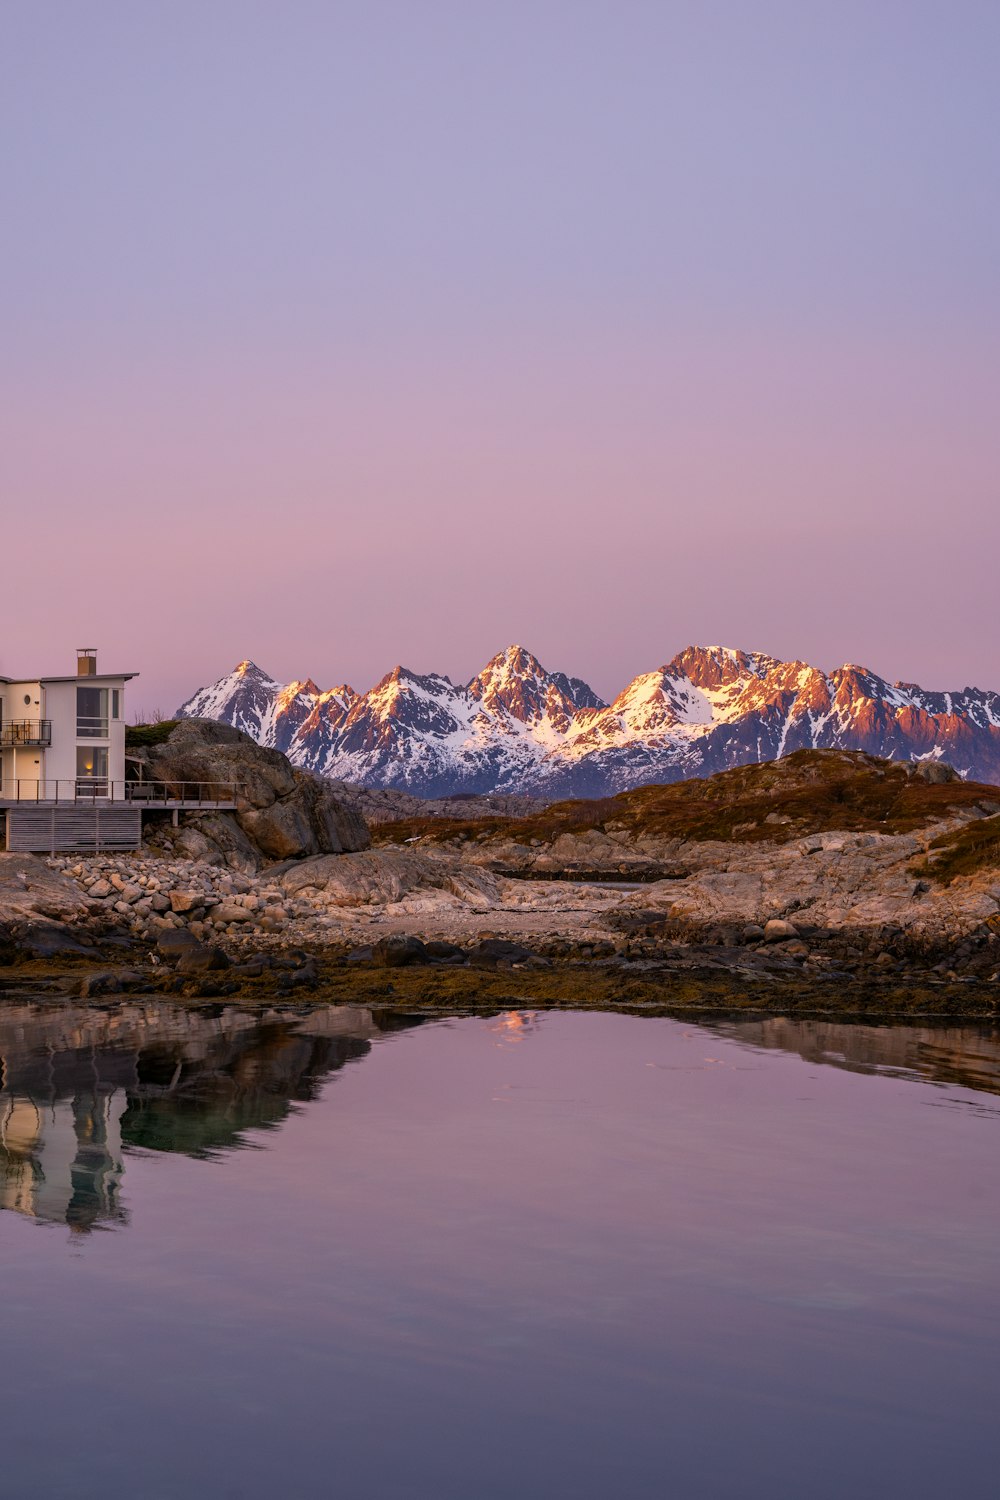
151, 796
50, 817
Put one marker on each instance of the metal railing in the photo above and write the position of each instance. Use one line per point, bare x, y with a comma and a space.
25, 732
90, 790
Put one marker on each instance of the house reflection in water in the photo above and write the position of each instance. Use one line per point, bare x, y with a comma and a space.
79, 1088
61, 1159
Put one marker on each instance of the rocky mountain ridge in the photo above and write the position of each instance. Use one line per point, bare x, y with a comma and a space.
516, 728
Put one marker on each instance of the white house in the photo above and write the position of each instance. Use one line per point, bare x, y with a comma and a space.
63, 738
64, 777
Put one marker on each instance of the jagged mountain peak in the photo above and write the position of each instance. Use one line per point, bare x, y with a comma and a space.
244, 678
405, 680
514, 665
514, 658
294, 689
425, 703
852, 683
342, 693
854, 669
518, 727
249, 668
515, 683
718, 666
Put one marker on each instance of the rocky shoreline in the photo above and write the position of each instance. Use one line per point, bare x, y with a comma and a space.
126, 925
825, 882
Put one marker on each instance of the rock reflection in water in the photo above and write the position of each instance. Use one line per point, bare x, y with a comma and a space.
80, 1087
960, 1055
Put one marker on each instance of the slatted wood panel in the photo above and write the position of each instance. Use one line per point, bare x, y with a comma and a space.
50, 830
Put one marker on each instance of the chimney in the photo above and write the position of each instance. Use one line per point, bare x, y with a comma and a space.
86, 661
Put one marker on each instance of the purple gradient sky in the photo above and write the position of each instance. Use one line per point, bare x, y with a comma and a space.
339, 334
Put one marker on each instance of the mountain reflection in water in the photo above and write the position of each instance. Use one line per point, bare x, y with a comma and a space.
79, 1088
82, 1087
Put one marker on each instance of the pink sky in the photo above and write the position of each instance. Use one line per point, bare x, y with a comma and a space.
342, 345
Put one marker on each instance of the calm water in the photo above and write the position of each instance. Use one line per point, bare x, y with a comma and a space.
566, 1255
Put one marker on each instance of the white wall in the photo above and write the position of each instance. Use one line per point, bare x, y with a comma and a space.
26, 763
56, 701
60, 707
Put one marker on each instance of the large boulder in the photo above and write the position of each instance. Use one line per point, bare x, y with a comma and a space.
281, 813
385, 877
29, 888
284, 830
38, 906
217, 839
211, 754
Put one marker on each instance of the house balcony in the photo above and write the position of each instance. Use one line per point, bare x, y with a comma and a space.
97, 791
25, 732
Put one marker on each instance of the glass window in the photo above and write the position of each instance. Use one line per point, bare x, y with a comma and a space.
91, 713
92, 769
115, 704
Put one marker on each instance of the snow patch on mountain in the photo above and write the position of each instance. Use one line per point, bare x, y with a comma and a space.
518, 728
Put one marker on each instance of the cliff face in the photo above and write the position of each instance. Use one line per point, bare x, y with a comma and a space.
519, 729
282, 812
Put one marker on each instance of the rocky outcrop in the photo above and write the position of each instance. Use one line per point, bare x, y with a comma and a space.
379, 878
38, 908
30, 888
824, 865
282, 812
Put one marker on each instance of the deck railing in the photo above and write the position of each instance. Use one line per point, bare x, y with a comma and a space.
90, 790
26, 732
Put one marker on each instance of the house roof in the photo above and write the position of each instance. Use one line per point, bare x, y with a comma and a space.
97, 677
75, 677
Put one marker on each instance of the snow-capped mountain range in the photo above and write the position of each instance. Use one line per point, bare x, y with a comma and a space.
518, 728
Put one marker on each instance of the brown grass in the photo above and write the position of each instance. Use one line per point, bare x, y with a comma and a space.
812, 791
965, 851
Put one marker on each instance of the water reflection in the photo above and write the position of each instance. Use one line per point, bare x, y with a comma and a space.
511, 1027
963, 1056
81, 1087
61, 1160
573, 1254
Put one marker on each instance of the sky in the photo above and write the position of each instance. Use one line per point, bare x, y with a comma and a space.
343, 334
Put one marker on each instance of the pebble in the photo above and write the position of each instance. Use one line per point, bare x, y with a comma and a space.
149, 896
154, 896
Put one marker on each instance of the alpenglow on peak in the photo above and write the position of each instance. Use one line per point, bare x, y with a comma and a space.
518, 727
